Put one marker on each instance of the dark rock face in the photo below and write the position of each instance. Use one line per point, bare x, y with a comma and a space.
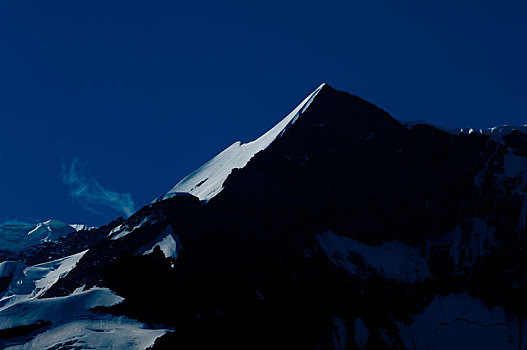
89, 271
372, 178
252, 271
22, 332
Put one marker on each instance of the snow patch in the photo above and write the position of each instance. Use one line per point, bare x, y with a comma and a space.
167, 245
81, 227
459, 321
124, 230
167, 241
392, 260
121, 234
496, 133
116, 229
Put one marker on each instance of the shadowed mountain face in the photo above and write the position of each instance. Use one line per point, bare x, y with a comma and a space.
350, 230
368, 176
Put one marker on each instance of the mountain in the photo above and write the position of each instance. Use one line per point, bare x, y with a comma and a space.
340, 228
207, 181
20, 236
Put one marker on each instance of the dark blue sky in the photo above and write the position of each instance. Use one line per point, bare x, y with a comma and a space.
100, 99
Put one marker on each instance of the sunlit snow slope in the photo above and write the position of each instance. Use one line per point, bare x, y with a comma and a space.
31, 282
207, 181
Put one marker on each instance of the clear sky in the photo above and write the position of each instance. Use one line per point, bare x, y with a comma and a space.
104, 105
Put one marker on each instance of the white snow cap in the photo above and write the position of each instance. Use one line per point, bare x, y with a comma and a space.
207, 181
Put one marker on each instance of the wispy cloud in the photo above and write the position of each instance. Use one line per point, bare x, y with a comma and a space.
87, 190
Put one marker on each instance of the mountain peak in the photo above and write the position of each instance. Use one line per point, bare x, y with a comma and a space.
207, 181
